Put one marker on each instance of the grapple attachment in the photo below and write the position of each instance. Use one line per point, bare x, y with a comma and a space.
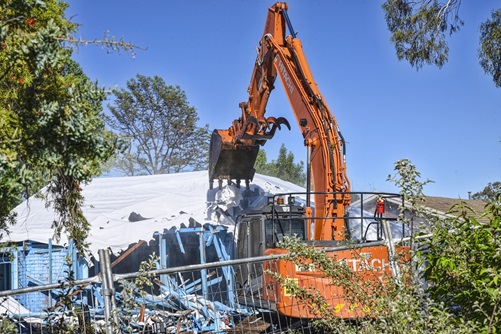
233, 152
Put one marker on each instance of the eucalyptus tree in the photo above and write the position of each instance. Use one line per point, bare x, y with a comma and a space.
419, 32
52, 136
160, 127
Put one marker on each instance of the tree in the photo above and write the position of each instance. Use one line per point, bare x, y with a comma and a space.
52, 136
490, 193
460, 260
489, 51
462, 265
161, 128
260, 164
283, 168
418, 31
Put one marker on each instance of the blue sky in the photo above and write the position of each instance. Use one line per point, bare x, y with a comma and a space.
446, 121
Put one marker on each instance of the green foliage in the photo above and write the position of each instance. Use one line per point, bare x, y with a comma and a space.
489, 51
52, 133
65, 317
160, 126
109, 43
463, 265
7, 326
489, 193
359, 287
462, 259
406, 178
261, 160
133, 293
418, 29
283, 168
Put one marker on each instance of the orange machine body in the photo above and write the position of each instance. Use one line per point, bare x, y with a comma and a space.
234, 151
372, 263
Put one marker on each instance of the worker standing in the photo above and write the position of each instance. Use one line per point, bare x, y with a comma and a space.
379, 207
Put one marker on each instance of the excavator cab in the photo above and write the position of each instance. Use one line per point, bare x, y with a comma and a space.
263, 228
368, 249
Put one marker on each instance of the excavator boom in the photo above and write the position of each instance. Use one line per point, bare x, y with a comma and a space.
234, 151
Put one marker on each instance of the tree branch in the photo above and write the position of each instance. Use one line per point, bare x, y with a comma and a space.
108, 42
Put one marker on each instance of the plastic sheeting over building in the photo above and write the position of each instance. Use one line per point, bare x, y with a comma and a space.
123, 210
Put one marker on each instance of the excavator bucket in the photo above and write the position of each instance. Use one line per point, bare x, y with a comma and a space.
229, 161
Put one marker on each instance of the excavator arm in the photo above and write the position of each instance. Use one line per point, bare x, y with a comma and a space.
234, 151
322, 137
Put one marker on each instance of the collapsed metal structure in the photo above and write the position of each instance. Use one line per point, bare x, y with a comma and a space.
196, 298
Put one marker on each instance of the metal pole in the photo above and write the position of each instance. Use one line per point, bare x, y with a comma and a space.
50, 270
203, 260
108, 290
392, 254
308, 176
165, 259
74, 258
162, 249
311, 222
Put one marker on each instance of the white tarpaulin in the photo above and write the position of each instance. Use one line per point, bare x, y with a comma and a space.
166, 201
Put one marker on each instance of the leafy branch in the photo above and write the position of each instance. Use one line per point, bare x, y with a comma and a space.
108, 43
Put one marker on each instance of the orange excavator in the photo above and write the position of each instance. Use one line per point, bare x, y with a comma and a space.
324, 223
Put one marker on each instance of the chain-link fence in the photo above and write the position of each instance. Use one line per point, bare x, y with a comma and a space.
235, 296
223, 297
